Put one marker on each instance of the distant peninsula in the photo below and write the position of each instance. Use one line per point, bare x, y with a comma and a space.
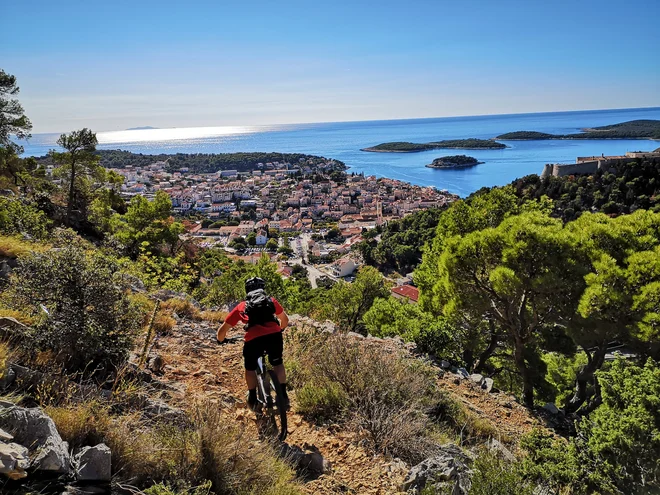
633, 129
459, 144
454, 161
143, 128
208, 163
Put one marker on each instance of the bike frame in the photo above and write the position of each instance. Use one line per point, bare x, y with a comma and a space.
261, 383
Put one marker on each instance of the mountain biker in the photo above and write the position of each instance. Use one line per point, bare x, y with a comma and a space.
259, 337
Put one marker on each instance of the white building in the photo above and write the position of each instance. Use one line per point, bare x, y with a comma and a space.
343, 267
262, 237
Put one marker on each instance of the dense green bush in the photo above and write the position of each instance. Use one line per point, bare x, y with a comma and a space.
87, 320
19, 217
617, 449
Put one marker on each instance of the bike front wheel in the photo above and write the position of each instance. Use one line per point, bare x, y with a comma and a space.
279, 414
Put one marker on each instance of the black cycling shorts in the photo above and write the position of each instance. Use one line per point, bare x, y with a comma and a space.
272, 343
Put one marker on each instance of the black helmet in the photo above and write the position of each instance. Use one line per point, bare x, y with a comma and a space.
254, 283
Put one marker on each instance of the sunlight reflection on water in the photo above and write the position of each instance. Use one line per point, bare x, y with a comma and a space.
178, 133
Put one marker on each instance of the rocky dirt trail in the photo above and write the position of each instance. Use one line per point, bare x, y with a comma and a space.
195, 367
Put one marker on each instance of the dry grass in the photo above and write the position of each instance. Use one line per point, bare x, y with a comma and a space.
381, 393
175, 460
213, 316
235, 463
163, 323
145, 305
5, 353
182, 307
81, 424
18, 316
186, 309
466, 426
13, 247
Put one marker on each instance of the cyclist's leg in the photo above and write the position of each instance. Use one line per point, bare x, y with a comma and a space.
251, 353
275, 350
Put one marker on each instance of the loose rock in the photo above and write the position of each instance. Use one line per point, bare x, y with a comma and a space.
476, 378
449, 470
35, 430
93, 463
5, 437
310, 464
14, 460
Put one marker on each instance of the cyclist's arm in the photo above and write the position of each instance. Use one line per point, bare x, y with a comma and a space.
280, 314
222, 331
284, 320
230, 322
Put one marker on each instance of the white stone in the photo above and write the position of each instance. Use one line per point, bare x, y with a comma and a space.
476, 378
14, 460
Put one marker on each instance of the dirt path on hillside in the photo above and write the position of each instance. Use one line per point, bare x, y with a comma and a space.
201, 368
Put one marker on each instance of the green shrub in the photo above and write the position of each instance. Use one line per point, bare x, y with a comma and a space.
320, 403
494, 475
88, 322
561, 373
18, 217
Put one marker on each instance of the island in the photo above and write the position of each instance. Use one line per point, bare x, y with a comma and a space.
459, 144
454, 161
143, 128
526, 136
633, 129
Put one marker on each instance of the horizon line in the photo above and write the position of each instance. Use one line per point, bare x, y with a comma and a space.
369, 120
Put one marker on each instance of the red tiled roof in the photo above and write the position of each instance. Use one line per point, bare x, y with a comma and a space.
408, 291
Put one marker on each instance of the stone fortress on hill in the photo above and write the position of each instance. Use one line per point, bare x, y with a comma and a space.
587, 165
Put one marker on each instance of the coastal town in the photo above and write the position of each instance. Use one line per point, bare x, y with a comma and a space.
315, 211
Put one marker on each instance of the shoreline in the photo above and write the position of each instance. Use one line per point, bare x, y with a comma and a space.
371, 150
454, 166
576, 139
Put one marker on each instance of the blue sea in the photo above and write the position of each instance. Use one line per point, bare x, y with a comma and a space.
343, 141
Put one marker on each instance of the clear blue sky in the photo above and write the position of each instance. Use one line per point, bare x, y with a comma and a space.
117, 64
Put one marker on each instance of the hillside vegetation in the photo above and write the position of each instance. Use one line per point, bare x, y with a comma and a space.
466, 144
202, 162
524, 135
629, 186
634, 129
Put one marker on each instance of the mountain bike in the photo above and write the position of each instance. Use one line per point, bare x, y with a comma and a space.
270, 400
271, 405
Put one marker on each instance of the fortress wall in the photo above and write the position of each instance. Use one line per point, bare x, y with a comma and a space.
582, 168
576, 168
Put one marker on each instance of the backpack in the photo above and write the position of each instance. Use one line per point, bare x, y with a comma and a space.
259, 308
